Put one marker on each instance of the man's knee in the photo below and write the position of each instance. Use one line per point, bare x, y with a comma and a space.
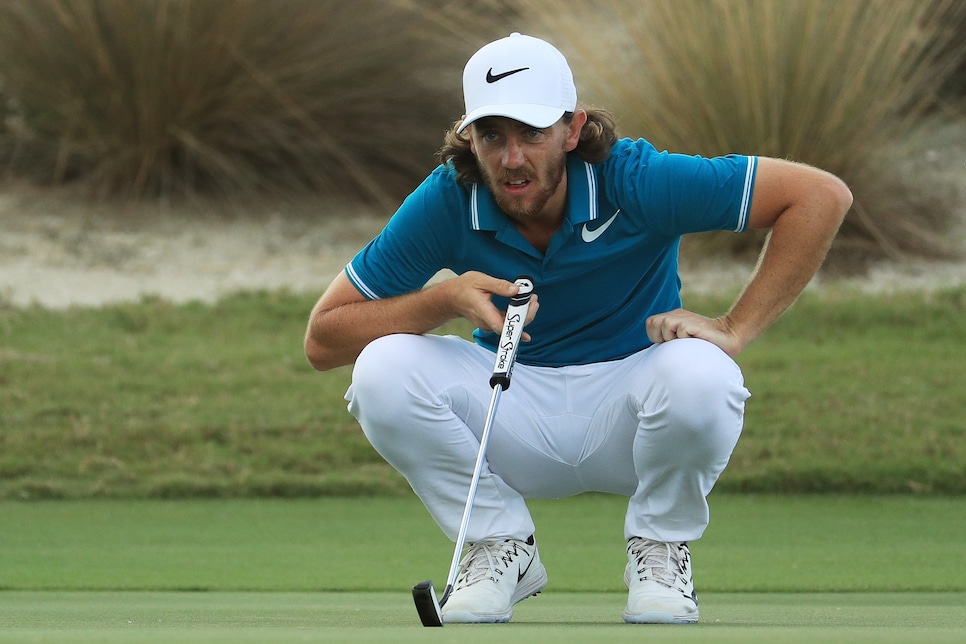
404, 377
381, 392
381, 362
694, 370
697, 393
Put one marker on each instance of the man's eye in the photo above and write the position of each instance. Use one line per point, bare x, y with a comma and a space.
534, 133
489, 137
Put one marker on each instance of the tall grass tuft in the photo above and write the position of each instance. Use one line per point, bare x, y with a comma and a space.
840, 85
147, 97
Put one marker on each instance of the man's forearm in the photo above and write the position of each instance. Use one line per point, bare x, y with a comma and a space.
793, 253
343, 322
336, 336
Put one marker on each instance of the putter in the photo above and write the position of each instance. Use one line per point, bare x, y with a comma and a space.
424, 595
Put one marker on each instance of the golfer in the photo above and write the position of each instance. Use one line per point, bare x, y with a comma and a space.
617, 388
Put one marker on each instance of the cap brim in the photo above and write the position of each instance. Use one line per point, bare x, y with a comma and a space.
536, 115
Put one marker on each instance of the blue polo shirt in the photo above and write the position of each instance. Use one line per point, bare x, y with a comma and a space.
612, 263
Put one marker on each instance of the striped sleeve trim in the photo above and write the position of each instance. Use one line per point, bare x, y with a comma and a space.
745, 208
359, 284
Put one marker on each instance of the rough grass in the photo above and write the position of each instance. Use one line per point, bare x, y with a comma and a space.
859, 394
169, 401
850, 394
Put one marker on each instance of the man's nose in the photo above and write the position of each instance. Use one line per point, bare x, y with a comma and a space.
512, 154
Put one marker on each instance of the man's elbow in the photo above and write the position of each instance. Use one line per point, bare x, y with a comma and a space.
829, 201
840, 195
319, 356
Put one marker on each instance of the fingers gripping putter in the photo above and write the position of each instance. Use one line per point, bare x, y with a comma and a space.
506, 352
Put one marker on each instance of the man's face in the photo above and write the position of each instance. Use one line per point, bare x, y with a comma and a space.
521, 165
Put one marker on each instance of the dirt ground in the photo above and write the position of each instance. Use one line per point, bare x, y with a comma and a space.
59, 250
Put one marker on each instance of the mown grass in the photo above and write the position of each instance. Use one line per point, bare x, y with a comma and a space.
769, 568
361, 618
851, 393
814, 544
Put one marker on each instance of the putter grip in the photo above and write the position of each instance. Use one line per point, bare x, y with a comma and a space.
506, 349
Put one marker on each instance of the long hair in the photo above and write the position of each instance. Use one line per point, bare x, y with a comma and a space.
597, 137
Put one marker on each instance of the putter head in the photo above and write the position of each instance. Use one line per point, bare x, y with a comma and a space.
424, 596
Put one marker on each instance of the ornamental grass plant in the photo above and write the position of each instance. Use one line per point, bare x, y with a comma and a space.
160, 97
845, 86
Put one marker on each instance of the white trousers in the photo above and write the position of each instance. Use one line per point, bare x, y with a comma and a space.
658, 426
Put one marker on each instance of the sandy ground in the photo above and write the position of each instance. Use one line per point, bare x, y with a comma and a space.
58, 250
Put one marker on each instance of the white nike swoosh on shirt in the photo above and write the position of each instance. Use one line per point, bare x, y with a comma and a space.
590, 235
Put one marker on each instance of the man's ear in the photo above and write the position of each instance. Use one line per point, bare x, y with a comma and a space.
575, 126
469, 135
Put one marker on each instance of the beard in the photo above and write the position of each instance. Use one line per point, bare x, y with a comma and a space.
546, 181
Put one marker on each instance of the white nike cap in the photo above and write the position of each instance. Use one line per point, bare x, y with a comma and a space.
519, 77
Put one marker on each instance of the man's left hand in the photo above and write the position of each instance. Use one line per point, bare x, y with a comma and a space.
681, 323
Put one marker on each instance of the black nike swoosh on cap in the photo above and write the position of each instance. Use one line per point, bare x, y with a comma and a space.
491, 78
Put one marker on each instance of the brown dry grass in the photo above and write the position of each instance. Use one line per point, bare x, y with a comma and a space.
839, 85
141, 97
146, 98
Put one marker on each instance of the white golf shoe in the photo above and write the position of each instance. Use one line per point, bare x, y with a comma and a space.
494, 575
659, 584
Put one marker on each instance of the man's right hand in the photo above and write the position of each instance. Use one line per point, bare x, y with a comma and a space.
472, 294
343, 321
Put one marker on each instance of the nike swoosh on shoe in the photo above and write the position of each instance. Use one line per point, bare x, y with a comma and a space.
523, 573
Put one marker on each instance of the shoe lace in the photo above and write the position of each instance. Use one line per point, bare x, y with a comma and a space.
488, 560
665, 563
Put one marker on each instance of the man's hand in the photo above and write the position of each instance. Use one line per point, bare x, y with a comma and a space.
681, 323
472, 294
343, 321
